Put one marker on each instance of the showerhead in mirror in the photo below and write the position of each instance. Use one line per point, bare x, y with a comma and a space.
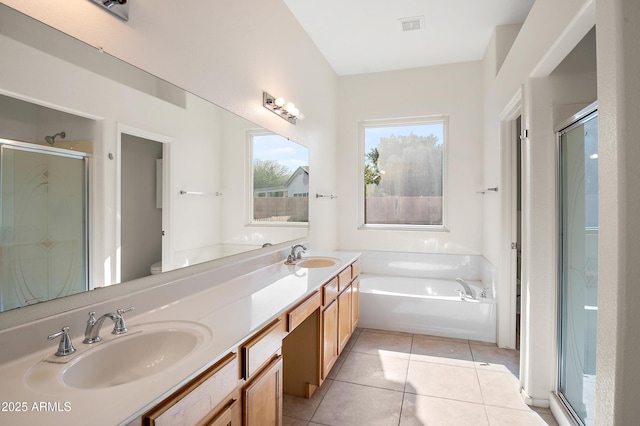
51, 139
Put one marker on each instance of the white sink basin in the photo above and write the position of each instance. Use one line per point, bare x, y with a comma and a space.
317, 262
143, 352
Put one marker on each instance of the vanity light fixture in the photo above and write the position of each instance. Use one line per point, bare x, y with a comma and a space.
278, 106
120, 8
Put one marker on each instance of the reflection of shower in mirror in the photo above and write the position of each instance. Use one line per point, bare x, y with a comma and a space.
51, 139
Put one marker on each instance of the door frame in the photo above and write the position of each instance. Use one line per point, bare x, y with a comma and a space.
507, 289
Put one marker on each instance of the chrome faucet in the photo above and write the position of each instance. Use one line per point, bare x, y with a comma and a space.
293, 256
92, 332
467, 291
65, 347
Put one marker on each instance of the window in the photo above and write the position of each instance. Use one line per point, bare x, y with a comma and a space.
403, 172
279, 179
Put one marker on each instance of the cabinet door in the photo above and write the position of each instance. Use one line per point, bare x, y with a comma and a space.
355, 303
344, 318
262, 397
329, 337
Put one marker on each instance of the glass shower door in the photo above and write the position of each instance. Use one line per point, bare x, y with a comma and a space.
43, 224
578, 293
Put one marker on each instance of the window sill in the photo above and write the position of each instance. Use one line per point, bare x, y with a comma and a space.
422, 228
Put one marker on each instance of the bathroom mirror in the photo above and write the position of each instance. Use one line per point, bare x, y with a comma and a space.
170, 177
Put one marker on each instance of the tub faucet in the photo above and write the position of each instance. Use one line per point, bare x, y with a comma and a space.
92, 332
468, 292
293, 256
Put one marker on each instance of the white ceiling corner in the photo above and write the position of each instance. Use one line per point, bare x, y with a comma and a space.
362, 36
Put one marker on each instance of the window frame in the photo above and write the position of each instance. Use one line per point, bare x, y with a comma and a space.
250, 222
402, 121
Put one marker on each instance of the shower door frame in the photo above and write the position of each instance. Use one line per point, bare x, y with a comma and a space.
581, 117
50, 150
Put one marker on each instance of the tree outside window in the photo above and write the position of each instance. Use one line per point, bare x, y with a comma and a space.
404, 173
280, 180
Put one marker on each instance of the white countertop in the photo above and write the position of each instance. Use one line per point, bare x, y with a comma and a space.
231, 312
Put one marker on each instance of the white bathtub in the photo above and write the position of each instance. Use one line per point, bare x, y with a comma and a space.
426, 306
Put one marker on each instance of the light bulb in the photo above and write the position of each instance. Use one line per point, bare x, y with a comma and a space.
290, 107
279, 102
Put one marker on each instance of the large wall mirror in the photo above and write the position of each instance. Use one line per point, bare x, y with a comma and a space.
109, 174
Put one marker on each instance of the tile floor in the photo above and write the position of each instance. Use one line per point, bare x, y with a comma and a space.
387, 378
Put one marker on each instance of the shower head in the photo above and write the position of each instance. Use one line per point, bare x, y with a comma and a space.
51, 139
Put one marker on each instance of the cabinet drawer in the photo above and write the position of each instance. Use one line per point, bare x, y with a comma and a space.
355, 268
229, 414
344, 278
196, 400
259, 350
303, 310
330, 292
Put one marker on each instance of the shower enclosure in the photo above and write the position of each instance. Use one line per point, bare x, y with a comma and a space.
43, 223
578, 274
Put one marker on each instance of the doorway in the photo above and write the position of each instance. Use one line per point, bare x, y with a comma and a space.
518, 219
141, 206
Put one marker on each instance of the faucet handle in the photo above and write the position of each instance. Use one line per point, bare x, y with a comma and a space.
65, 347
121, 327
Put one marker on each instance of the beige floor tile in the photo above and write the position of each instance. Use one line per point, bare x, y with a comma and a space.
481, 343
373, 370
350, 343
296, 407
499, 416
441, 351
448, 339
336, 367
501, 390
347, 404
443, 381
372, 342
377, 330
288, 421
420, 410
496, 359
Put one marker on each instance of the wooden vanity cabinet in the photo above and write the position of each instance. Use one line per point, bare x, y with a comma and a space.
329, 337
204, 400
262, 370
355, 303
262, 397
344, 318
340, 315
259, 350
248, 388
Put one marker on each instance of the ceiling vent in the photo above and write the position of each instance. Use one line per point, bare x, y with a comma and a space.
412, 24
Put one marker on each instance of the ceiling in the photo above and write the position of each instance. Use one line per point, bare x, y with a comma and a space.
363, 36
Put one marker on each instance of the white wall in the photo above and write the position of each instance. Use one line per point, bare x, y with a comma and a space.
231, 52
454, 90
618, 375
551, 31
